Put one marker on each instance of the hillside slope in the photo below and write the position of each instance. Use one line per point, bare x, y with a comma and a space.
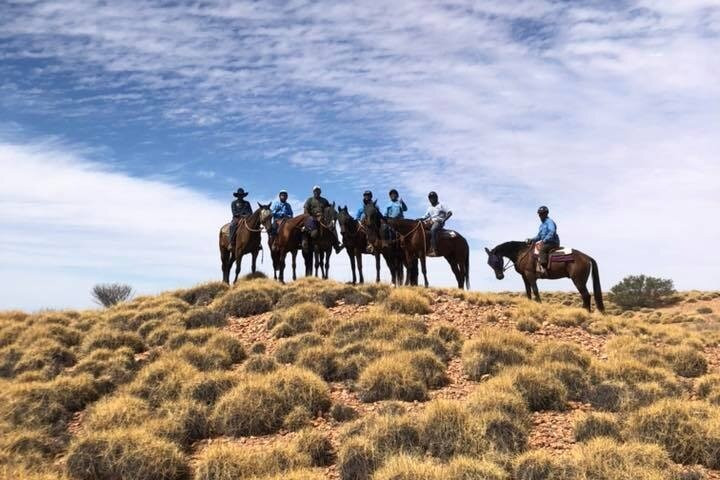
322, 380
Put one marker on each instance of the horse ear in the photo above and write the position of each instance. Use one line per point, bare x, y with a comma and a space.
375, 202
487, 250
260, 204
333, 204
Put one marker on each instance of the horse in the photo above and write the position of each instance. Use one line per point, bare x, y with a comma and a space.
287, 240
356, 243
247, 240
390, 250
320, 243
578, 269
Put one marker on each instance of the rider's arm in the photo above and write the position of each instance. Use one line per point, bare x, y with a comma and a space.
290, 212
402, 205
359, 213
306, 207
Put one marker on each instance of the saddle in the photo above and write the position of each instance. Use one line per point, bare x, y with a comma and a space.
556, 255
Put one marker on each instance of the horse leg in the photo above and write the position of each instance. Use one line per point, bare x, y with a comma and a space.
360, 266
527, 287
281, 266
377, 268
237, 268
294, 258
254, 261
326, 273
224, 260
424, 270
456, 271
352, 266
533, 283
584, 293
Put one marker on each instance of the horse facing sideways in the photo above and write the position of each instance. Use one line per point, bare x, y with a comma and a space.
574, 265
247, 240
414, 239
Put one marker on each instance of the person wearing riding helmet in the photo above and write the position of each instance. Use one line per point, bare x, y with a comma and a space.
437, 214
314, 206
281, 210
367, 198
240, 208
547, 235
396, 207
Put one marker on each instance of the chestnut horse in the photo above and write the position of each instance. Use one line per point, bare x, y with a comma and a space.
356, 243
414, 238
578, 270
247, 240
287, 240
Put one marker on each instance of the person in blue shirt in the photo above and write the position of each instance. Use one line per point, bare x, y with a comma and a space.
281, 210
367, 198
396, 207
547, 235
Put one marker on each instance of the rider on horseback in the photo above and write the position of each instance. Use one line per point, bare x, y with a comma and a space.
367, 198
396, 207
547, 235
436, 215
281, 210
314, 206
240, 208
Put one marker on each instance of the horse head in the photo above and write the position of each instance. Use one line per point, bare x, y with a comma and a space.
344, 219
496, 263
371, 220
265, 216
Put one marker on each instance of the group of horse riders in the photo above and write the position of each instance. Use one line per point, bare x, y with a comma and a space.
435, 217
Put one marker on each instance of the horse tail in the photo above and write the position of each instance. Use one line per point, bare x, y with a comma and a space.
597, 290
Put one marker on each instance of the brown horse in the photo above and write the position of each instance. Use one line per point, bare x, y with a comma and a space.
414, 239
578, 269
356, 243
389, 249
287, 240
247, 240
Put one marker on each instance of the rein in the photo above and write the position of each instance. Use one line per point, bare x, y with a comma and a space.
244, 223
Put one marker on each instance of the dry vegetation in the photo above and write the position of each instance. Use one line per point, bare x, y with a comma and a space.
319, 380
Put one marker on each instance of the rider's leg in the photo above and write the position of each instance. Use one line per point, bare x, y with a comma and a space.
233, 231
434, 229
545, 252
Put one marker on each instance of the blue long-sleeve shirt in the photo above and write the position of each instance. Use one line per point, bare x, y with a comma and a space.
547, 232
281, 210
360, 212
395, 209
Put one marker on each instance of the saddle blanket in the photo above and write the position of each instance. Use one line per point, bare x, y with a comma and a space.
562, 254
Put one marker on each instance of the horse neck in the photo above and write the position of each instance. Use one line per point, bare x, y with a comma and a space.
510, 250
401, 225
253, 220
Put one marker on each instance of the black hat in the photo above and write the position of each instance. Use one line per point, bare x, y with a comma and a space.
366, 193
432, 195
241, 193
544, 209
393, 191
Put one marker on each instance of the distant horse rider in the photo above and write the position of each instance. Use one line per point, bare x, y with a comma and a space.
394, 210
396, 207
281, 210
436, 215
547, 236
315, 206
240, 209
367, 198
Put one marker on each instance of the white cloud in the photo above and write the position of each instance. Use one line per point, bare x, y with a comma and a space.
607, 111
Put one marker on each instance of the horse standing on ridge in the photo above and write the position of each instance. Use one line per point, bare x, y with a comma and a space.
247, 240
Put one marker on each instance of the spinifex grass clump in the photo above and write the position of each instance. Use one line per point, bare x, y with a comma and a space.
491, 349
407, 300
134, 454
296, 319
260, 403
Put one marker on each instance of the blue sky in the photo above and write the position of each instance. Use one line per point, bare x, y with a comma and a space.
125, 125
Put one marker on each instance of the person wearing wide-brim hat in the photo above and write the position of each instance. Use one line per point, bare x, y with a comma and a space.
240, 208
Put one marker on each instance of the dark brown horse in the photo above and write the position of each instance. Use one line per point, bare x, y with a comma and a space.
414, 239
355, 239
320, 244
389, 248
578, 269
287, 240
247, 240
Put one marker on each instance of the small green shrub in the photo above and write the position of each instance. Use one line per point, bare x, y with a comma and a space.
641, 291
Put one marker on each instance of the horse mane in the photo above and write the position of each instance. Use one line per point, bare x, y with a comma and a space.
509, 249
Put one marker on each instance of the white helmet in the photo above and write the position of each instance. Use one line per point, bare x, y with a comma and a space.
316, 187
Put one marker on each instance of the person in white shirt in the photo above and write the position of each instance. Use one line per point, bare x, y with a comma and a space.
436, 215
